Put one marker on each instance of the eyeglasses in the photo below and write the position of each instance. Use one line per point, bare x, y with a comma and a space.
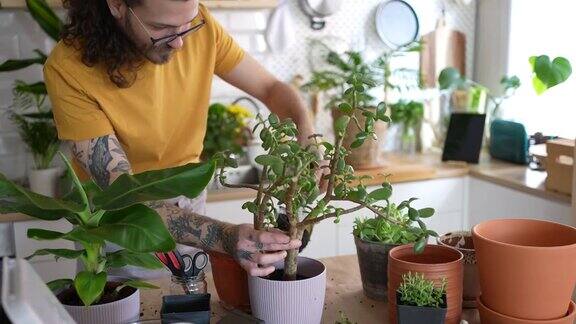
157, 42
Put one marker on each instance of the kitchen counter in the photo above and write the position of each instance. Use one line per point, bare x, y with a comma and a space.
343, 293
402, 168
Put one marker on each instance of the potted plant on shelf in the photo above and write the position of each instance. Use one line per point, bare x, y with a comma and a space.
421, 301
376, 236
30, 110
437, 263
295, 292
116, 215
335, 81
409, 115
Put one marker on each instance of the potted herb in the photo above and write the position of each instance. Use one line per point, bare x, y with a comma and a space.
434, 263
31, 111
421, 301
376, 236
409, 115
113, 215
335, 82
295, 292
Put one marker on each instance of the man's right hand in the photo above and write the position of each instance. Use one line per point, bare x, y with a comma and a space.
257, 251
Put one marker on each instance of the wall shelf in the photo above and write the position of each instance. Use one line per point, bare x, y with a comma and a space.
213, 4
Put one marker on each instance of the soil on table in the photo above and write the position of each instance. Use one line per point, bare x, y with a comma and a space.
70, 297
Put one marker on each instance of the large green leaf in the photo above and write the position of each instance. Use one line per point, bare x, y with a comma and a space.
38, 88
78, 234
13, 65
89, 286
137, 228
14, 198
139, 284
125, 257
188, 180
58, 253
548, 74
46, 18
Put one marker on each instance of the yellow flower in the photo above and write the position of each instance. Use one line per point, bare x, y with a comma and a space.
241, 113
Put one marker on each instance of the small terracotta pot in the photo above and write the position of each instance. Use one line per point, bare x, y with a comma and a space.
462, 241
290, 302
231, 281
435, 263
373, 262
527, 267
488, 316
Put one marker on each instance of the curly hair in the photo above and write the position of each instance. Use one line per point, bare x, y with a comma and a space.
92, 29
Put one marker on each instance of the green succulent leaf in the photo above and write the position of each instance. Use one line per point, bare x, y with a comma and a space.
420, 245
345, 108
341, 124
426, 212
381, 194
188, 180
413, 213
449, 78
250, 206
137, 228
273, 119
90, 286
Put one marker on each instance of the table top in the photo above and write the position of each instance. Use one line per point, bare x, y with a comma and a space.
343, 293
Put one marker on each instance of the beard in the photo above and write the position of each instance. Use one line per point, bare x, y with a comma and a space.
155, 54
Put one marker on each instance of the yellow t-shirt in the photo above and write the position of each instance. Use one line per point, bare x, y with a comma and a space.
160, 120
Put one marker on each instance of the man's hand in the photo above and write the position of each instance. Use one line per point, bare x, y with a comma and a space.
257, 251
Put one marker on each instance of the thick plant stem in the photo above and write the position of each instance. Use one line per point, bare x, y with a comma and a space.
291, 260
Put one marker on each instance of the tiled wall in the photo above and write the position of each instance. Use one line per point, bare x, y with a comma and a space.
352, 26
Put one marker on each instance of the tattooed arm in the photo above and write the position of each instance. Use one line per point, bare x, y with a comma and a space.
104, 160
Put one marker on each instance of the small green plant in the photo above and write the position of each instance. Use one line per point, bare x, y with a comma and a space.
343, 319
399, 231
99, 216
225, 130
409, 114
415, 290
35, 123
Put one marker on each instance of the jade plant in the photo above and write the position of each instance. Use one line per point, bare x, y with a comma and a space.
415, 290
290, 183
99, 216
400, 231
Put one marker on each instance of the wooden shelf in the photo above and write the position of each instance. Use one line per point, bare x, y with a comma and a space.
214, 4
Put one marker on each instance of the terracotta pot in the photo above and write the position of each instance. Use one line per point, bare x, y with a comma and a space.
488, 316
231, 281
367, 156
527, 267
462, 241
435, 263
290, 302
373, 262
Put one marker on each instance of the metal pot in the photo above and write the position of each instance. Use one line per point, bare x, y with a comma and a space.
317, 10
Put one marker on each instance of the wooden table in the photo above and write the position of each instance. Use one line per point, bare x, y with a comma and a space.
343, 293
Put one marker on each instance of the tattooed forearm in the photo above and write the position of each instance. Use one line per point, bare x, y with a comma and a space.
196, 230
245, 255
103, 158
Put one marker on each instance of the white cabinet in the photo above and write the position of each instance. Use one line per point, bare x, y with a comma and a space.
489, 201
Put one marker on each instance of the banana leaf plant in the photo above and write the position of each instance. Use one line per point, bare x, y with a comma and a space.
289, 180
98, 216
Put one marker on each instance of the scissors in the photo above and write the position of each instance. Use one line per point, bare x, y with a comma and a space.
177, 264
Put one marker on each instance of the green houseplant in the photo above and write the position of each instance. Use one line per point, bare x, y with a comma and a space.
115, 214
376, 236
31, 112
421, 300
289, 184
225, 130
409, 115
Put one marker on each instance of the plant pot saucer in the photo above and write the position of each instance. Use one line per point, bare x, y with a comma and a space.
490, 316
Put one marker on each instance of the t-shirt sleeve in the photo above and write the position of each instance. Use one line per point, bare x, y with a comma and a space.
77, 115
228, 52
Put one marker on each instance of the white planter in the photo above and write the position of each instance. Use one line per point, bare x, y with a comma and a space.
126, 310
290, 302
45, 182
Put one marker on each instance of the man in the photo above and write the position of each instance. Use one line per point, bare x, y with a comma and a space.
130, 87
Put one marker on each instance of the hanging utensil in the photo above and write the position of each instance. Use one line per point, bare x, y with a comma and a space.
317, 10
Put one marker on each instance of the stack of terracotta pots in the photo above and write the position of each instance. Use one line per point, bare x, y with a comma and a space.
527, 271
435, 263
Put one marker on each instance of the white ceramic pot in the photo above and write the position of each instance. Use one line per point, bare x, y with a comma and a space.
126, 310
290, 302
45, 181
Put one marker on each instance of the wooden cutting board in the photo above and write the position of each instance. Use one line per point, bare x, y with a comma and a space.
443, 47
